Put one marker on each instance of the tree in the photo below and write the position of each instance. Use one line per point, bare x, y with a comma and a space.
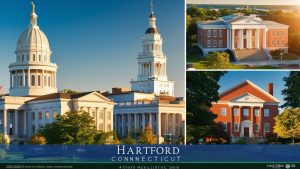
287, 124
218, 60
106, 138
38, 139
129, 139
148, 137
69, 91
292, 90
71, 128
3, 140
201, 89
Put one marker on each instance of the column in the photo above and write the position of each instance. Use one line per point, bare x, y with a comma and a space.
240, 120
135, 122
23, 78
4, 122
25, 123
232, 38
174, 124
143, 122
158, 126
250, 38
261, 122
150, 121
264, 38
123, 124
167, 123
42, 79
104, 119
16, 123
251, 133
36, 122
129, 123
232, 121
29, 76
227, 37
241, 34
257, 38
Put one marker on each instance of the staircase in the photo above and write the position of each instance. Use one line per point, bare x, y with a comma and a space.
251, 55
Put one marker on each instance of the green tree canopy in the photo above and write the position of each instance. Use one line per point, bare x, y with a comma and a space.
69, 91
201, 89
218, 60
71, 128
147, 137
292, 91
287, 124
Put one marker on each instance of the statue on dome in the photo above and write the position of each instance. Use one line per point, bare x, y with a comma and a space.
33, 7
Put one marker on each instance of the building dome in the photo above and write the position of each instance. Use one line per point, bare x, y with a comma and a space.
32, 38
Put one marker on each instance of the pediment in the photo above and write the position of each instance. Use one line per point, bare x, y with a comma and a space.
247, 98
247, 21
94, 97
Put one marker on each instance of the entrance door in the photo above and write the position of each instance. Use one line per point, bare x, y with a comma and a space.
246, 132
245, 44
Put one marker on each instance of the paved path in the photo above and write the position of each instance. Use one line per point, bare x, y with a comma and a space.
269, 62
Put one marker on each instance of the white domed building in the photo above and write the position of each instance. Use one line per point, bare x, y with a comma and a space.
33, 100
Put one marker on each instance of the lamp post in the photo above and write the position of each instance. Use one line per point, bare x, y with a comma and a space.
281, 54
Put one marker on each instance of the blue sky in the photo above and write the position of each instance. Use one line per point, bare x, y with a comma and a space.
260, 78
95, 43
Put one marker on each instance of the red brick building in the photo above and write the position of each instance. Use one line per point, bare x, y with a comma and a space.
246, 36
246, 110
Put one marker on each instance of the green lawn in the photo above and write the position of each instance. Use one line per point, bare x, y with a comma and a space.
285, 56
202, 65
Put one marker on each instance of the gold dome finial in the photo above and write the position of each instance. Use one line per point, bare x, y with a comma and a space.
33, 7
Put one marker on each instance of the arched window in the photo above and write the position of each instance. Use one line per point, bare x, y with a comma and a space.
33, 57
32, 80
28, 58
22, 58
40, 58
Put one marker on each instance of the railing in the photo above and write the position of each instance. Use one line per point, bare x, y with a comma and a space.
150, 102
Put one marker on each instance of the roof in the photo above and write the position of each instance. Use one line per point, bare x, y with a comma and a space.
213, 23
253, 85
61, 96
272, 24
52, 96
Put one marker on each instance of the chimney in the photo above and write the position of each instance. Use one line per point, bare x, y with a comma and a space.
270, 88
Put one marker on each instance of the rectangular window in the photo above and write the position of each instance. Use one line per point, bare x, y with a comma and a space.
266, 112
278, 43
220, 33
272, 43
33, 128
267, 127
256, 112
225, 126
101, 114
208, 33
215, 33
47, 115
223, 111
236, 126
278, 33
282, 42
282, 33
214, 43
54, 115
256, 127
246, 112
236, 111
272, 33
220, 43
208, 43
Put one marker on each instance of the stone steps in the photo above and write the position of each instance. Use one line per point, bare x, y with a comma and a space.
251, 55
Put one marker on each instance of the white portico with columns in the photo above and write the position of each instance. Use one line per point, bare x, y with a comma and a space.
248, 37
33, 100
